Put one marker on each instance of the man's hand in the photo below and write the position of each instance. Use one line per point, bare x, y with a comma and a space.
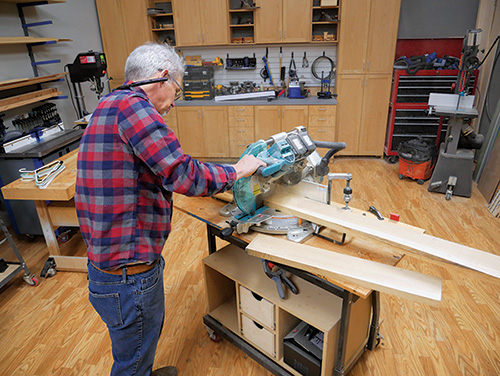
247, 165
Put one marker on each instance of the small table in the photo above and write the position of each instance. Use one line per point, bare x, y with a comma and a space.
55, 207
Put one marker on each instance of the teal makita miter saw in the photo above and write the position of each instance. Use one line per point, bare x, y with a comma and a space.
291, 158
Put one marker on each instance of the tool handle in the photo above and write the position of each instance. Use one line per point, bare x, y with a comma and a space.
279, 286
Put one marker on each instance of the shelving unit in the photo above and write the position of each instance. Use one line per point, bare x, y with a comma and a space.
325, 21
241, 23
162, 24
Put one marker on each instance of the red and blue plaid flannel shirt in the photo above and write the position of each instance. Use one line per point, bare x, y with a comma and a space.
129, 163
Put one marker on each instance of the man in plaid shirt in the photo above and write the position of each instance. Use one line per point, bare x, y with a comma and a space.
129, 163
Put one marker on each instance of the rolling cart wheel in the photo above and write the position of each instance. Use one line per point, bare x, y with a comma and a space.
393, 159
380, 337
401, 177
420, 181
213, 336
63, 238
31, 280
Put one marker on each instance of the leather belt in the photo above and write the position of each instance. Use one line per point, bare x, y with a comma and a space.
130, 269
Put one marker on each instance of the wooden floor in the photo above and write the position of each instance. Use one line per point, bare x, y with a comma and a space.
52, 329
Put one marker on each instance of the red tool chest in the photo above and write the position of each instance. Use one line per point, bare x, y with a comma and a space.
408, 116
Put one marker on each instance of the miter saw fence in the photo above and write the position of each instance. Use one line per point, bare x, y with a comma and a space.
291, 157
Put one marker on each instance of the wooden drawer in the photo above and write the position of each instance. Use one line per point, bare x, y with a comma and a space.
329, 110
257, 307
242, 134
238, 111
321, 122
322, 134
236, 148
241, 122
258, 335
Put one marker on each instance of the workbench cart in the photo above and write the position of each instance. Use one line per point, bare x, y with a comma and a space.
244, 306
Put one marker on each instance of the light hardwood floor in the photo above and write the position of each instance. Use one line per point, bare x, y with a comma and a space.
52, 329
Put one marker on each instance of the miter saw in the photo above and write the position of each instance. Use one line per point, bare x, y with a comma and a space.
291, 159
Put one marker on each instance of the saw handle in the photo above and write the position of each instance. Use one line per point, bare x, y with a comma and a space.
334, 147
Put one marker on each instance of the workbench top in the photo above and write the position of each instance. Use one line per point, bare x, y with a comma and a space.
62, 188
310, 101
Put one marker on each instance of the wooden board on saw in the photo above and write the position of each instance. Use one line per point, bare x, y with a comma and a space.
386, 278
387, 231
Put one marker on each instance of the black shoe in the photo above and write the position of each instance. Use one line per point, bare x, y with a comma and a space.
165, 371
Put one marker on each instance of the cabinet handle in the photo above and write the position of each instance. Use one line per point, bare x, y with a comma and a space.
363, 66
368, 66
241, 130
366, 84
321, 119
203, 37
241, 144
202, 113
199, 114
240, 119
240, 109
321, 130
322, 109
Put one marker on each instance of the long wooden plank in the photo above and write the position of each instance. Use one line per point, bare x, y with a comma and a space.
387, 231
28, 98
12, 84
381, 277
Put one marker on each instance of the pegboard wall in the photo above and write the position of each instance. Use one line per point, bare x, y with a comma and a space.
223, 76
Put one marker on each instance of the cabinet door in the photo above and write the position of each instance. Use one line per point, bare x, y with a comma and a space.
297, 21
191, 135
350, 105
215, 131
382, 36
377, 90
267, 121
355, 16
268, 21
187, 21
293, 116
214, 22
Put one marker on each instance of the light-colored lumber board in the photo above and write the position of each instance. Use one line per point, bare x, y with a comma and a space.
21, 82
70, 263
381, 277
28, 98
387, 231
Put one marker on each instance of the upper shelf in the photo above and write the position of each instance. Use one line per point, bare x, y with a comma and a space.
28, 98
28, 40
21, 82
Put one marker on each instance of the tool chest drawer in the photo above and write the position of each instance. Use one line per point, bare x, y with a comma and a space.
323, 110
258, 335
257, 307
239, 111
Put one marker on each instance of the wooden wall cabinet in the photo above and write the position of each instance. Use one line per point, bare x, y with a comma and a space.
369, 34
287, 21
365, 59
362, 113
124, 26
270, 120
203, 131
200, 22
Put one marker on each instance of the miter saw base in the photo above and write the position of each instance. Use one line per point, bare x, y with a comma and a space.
271, 221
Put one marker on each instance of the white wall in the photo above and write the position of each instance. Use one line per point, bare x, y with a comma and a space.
76, 20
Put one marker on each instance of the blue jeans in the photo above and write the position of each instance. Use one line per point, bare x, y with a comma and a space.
133, 308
